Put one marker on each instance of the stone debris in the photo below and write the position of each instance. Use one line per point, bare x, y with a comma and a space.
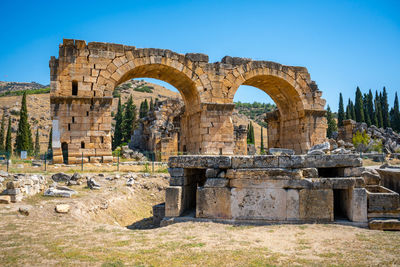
280, 152
325, 147
19, 186
92, 184
24, 210
62, 208
4, 199
60, 177
130, 182
128, 153
60, 191
340, 150
316, 152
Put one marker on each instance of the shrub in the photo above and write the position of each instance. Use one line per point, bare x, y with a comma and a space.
144, 89
361, 141
376, 145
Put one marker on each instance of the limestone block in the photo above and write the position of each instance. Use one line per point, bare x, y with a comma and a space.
107, 159
292, 205
4, 199
95, 159
316, 205
358, 210
216, 182
177, 172
173, 201
266, 161
310, 173
353, 171
271, 173
213, 203
265, 204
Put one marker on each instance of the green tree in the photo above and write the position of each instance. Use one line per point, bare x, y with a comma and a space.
37, 143
341, 114
332, 127
395, 114
2, 132
348, 114
118, 134
50, 145
250, 134
129, 120
151, 105
371, 111
385, 109
8, 137
262, 149
23, 141
378, 110
359, 106
366, 110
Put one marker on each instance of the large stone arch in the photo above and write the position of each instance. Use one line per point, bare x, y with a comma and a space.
84, 76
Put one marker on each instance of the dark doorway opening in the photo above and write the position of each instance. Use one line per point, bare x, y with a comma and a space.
195, 178
330, 172
64, 148
74, 88
340, 204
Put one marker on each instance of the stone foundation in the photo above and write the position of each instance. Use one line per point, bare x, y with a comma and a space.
268, 188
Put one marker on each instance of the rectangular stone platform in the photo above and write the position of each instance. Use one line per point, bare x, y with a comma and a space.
296, 188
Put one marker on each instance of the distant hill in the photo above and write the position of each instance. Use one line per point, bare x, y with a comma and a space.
16, 86
255, 111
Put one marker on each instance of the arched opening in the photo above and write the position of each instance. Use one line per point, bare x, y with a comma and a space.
250, 127
74, 88
159, 132
284, 124
64, 148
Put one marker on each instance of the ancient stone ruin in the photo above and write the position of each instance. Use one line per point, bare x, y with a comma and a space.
291, 189
85, 75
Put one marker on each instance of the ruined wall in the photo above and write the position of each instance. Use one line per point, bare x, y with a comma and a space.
85, 75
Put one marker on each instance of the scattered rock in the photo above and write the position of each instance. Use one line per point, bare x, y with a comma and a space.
324, 147
340, 150
130, 182
60, 177
76, 176
92, 184
60, 191
24, 210
280, 151
5, 199
316, 152
371, 178
62, 208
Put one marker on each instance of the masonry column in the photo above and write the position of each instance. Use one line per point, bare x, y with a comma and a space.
216, 129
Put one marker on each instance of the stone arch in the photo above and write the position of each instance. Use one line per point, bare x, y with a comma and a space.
292, 125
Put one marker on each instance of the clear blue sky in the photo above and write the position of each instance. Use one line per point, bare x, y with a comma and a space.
342, 43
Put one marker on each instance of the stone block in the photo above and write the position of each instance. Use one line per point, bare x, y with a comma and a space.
332, 161
213, 203
316, 204
381, 199
358, 205
173, 201
294, 161
263, 204
387, 225
239, 162
353, 171
216, 182
266, 161
271, 173
310, 173
4, 199
176, 172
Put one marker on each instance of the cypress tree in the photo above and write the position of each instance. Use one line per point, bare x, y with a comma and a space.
341, 115
145, 108
371, 111
378, 110
353, 111
348, 111
359, 106
2, 132
366, 110
252, 134
8, 137
118, 135
37, 143
396, 114
50, 145
129, 120
262, 149
332, 127
151, 105
23, 141
385, 109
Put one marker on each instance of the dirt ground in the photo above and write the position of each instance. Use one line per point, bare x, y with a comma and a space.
113, 227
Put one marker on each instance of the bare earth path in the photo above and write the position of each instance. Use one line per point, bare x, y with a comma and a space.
94, 234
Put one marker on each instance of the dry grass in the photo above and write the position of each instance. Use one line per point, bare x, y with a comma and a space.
96, 236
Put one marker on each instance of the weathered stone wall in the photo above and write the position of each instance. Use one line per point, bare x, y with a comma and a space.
267, 188
85, 75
